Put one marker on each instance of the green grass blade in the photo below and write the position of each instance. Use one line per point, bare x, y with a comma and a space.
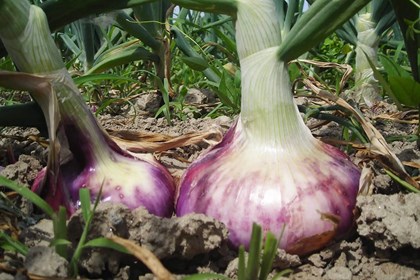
105, 104
137, 30
281, 274
28, 194
402, 182
241, 264
97, 200
227, 41
253, 264
11, 244
348, 32
91, 78
392, 68
104, 242
187, 49
270, 250
84, 196
70, 44
60, 242
60, 231
406, 89
227, 92
122, 54
165, 108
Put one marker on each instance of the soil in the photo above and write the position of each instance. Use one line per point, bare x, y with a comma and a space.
384, 244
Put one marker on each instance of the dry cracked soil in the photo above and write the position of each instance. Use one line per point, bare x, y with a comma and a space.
384, 244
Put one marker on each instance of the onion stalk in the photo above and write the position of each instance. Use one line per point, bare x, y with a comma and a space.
269, 169
364, 32
371, 25
366, 48
81, 154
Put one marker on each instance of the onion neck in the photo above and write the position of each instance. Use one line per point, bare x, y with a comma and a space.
28, 40
367, 45
366, 85
25, 33
80, 125
257, 26
269, 116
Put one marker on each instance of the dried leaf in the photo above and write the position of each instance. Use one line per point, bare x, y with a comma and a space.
42, 90
366, 181
146, 256
347, 69
378, 145
397, 117
139, 142
412, 164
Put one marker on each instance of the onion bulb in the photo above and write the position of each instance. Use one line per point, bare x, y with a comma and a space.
81, 154
269, 169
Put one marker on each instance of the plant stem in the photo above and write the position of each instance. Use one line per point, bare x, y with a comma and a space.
268, 112
257, 27
367, 86
25, 33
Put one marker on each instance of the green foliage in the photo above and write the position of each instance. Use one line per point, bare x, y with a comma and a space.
201, 49
407, 14
333, 49
208, 48
405, 89
229, 90
59, 219
320, 20
260, 259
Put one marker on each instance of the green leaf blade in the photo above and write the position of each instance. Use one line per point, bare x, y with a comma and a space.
320, 20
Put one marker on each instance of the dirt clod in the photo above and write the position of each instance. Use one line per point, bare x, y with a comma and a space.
23, 171
390, 221
44, 261
339, 273
180, 238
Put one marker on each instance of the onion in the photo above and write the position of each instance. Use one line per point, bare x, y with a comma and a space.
269, 169
81, 154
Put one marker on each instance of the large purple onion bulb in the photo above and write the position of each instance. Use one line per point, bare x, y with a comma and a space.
269, 169
240, 183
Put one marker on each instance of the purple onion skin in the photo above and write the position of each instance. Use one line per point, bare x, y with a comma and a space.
239, 190
123, 178
66, 192
157, 197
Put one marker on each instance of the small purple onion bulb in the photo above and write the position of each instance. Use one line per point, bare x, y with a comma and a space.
310, 191
130, 181
98, 164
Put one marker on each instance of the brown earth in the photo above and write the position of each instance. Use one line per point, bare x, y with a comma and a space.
385, 242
